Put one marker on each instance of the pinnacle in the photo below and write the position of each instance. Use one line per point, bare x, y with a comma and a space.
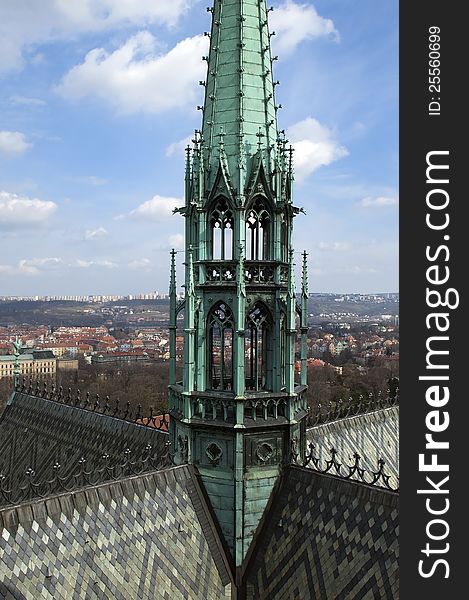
239, 88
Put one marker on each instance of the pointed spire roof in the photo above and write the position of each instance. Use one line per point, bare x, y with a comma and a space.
304, 275
172, 277
239, 91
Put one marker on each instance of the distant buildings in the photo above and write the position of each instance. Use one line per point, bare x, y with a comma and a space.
119, 357
86, 298
37, 364
67, 364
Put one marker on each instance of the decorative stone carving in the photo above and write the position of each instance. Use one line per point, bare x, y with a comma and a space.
264, 451
214, 453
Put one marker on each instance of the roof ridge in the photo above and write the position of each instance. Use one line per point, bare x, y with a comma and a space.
93, 404
352, 407
344, 470
152, 459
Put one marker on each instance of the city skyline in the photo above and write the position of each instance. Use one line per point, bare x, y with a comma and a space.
91, 152
161, 295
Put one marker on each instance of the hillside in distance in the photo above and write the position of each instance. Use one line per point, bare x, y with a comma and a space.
57, 313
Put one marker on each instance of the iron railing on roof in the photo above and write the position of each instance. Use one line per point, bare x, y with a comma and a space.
351, 407
85, 475
351, 471
112, 408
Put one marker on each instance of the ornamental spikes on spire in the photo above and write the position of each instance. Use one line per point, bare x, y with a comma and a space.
304, 275
239, 90
172, 277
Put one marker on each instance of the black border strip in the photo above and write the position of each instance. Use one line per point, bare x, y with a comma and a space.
422, 131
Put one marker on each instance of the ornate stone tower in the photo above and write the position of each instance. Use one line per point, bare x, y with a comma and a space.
238, 413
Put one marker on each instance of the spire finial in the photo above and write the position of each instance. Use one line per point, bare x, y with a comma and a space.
291, 275
304, 275
17, 344
172, 278
188, 165
290, 159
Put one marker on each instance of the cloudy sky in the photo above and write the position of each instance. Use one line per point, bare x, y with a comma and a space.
98, 98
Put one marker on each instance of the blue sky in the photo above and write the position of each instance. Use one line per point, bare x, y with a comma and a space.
97, 99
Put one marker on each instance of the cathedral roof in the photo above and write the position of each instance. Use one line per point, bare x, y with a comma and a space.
325, 537
151, 530
149, 536
38, 433
91, 504
373, 435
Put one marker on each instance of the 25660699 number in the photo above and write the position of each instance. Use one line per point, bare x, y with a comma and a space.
434, 59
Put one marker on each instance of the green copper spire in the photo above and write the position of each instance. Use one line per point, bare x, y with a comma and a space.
239, 91
239, 409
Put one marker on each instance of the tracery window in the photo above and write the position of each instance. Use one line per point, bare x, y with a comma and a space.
283, 240
221, 223
257, 347
220, 347
258, 231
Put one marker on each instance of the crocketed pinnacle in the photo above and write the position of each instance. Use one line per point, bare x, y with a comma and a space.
239, 97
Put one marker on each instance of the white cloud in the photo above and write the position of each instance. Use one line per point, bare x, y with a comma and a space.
143, 264
94, 14
136, 78
86, 264
39, 266
21, 211
25, 24
156, 209
294, 23
95, 234
32, 266
26, 101
334, 246
176, 241
379, 201
315, 146
35, 266
178, 147
13, 143
43, 262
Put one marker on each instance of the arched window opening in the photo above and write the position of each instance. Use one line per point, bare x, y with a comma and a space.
283, 241
221, 228
257, 231
220, 347
257, 348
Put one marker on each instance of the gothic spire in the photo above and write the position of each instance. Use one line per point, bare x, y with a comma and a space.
238, 404
239, 91
304, 276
